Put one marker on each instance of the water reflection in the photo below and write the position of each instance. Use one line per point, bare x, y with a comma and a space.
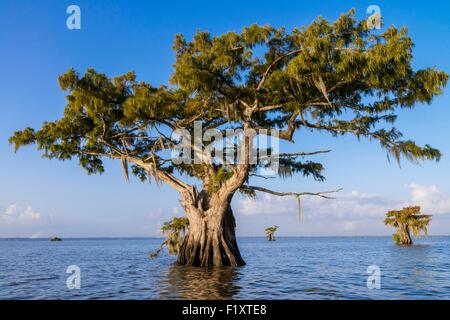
217, 283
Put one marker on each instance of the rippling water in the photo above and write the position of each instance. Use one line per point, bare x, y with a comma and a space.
290, 268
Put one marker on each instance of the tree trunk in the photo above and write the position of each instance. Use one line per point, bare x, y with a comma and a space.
405, 235
211, 239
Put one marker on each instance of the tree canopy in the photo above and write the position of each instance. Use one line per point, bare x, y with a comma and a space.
339, 77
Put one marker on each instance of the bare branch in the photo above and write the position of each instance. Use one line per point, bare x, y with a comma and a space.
269, 108
260, 176
323, 194
295, 154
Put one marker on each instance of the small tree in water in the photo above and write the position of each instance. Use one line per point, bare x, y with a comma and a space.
270, 233
406, 221
175, 231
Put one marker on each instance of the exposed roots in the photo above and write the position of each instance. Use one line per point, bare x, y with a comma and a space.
211, 241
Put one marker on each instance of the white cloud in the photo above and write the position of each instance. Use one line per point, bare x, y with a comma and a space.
176, 211
36, 235
351, 213
350, 226
429, 198
156, 217
17, 215
265, 204
156, 213
354, 205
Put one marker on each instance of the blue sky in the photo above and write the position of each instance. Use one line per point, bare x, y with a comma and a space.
39, 197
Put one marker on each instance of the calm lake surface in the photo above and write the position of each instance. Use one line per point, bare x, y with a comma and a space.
290, 268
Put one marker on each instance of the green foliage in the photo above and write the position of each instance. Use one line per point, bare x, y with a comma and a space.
272, 229
289, 166
175, 231
397, 238
336, 77
247, 192
221, 175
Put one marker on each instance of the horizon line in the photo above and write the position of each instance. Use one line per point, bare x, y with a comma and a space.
155, 237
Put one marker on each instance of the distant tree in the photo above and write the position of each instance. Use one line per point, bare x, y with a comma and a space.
335, 77
175, 231
270, 232
408, 220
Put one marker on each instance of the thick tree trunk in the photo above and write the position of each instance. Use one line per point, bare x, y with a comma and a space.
407, 237
211, 239
404, 235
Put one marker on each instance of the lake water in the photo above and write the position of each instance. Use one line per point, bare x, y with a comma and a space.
290, 268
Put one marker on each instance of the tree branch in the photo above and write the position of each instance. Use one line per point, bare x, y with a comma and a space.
269, 68
294, 154
348, 130
323, 194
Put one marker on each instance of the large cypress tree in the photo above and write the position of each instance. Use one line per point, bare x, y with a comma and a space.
336, 77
